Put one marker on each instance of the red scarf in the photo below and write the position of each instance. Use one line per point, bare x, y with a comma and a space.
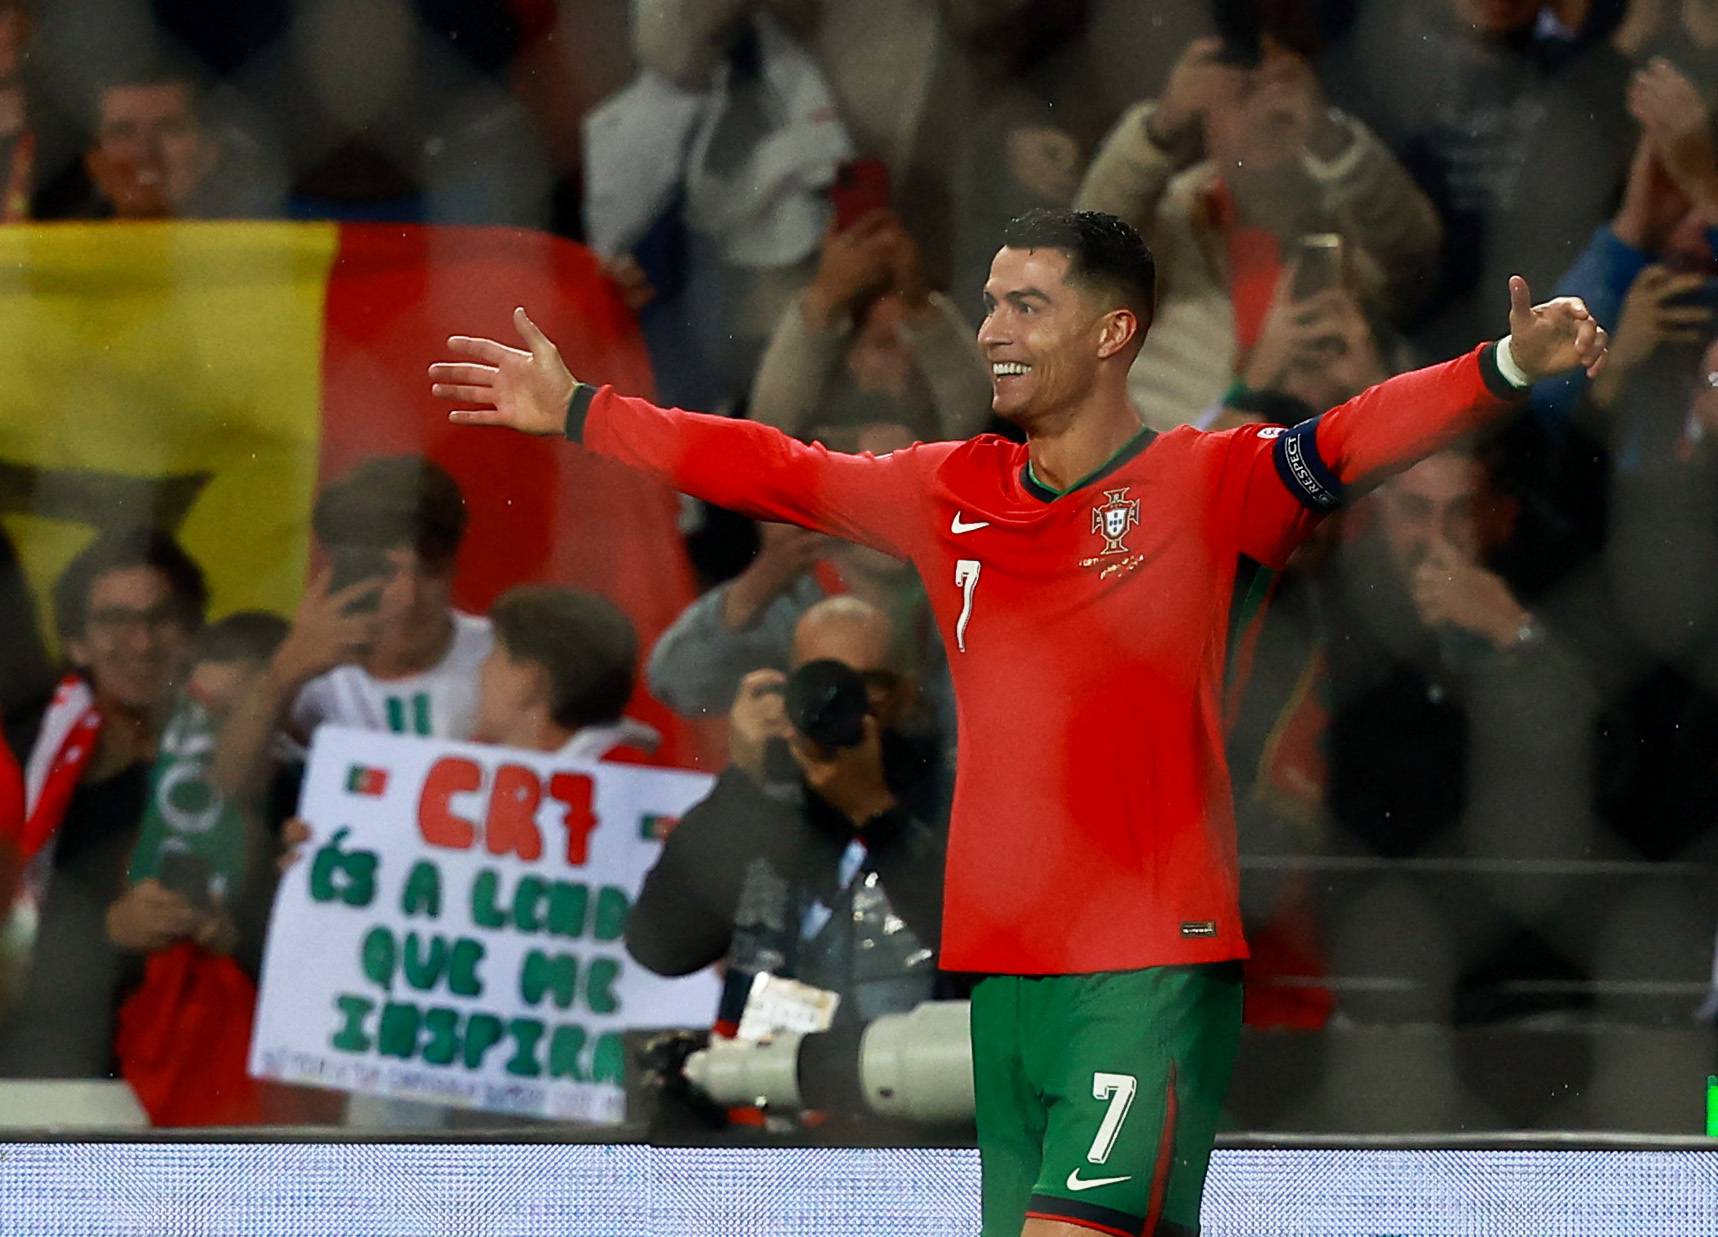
71, 730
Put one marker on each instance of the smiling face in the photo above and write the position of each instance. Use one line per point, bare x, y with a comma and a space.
136, 641
1047, 339
152, 150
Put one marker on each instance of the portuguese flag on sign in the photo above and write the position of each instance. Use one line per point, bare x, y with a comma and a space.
361, 780
208, 376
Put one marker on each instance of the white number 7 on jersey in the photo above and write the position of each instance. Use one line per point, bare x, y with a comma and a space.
966, 579
1118, 1089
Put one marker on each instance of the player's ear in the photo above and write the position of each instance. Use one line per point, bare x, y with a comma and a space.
1116, 332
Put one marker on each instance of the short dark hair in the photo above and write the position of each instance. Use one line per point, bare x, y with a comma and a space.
150, 68
584, 642
394, 501
247, 635
122, 550
1103, 251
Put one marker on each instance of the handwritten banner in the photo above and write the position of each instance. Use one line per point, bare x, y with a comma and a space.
452, 933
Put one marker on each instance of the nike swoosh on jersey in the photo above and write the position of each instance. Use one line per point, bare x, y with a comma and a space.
960, 526
1076, 1183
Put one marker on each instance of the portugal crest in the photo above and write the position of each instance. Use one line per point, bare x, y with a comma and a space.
1112, 519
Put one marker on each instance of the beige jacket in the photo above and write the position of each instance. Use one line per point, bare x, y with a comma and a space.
1190, 356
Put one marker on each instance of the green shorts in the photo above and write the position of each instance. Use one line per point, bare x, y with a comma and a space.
1099, 1095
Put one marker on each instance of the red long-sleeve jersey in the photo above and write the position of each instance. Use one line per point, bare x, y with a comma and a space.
1087, 632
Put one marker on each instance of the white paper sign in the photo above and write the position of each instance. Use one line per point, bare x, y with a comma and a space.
452, 933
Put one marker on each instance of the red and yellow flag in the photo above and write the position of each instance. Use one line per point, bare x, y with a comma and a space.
208, 376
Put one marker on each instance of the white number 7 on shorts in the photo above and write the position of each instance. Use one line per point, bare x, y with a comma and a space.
1118, 1089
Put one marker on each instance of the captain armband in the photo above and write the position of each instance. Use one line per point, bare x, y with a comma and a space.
1307, 476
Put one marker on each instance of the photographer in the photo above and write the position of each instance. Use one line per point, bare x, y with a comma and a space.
818, 855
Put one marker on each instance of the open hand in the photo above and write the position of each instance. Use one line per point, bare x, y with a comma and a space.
325, 631
1550, 338
519, 389
1673, 117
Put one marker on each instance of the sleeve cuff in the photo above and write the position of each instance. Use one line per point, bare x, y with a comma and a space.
1503, 377
578, 408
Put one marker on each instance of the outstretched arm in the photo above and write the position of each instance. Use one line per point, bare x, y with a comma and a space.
1289, 478
749, 468
1397, 423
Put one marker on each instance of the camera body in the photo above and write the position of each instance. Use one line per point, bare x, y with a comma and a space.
827, 703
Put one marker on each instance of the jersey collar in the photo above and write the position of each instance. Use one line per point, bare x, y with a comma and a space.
1048, 494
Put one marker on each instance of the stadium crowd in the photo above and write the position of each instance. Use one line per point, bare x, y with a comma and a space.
1502, 661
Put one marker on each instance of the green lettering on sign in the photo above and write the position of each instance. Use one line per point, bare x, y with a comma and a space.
483, 911
398, 1035
462, 976
527, 1034
527, 915
380, 956
568, 903
482, 1032
609, 1059
565, 1045
543, 974
612, 906
353, 1011
443, 1043
601, 975
422, 895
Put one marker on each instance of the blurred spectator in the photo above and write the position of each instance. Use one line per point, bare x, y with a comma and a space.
192, 920
128, 608
1664, 234
1315, 352
1030, 111
748, 622
1428, 635
232, 655
1475, 96
561, 670
156, 153
898, 71
559, 676
1222, 176
18, 163
376, 642
715, 179
1662, 539
809, 862
868, 341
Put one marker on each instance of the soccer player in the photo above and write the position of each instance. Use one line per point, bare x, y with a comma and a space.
1084, 584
